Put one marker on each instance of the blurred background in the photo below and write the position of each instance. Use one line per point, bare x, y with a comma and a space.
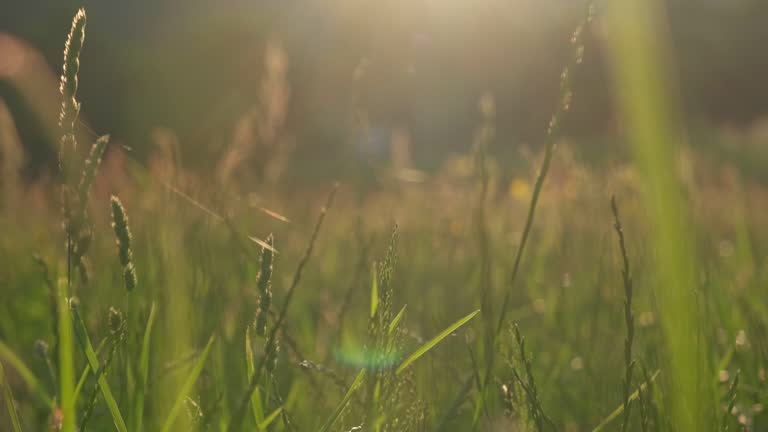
433, 114
297, 91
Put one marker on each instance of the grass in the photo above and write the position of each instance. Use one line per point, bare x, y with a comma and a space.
201, 329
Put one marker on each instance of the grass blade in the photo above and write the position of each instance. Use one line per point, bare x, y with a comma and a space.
617, 412
236, 422
258, 411
187, 387
374, 292
93, 362
8, 396
344, 402
86, 372
396, 320
270, 418
66, 361
434, 341
649, 106
25, 373
141, 389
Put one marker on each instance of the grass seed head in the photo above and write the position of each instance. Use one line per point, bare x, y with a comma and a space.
69, 82
265, 287
272, 350
70, 107
123, 239
90, 167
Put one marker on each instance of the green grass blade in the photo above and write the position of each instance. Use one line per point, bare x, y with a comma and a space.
93, 362
25, 373
396, 320
434, 341
270, 418
8, 396
138, 410
344, 402
258, 411
649, 107
66, 361
374, 292
81, 382
187, 387
617, 412
86, 372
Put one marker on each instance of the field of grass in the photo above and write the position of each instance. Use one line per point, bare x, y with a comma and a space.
584, 298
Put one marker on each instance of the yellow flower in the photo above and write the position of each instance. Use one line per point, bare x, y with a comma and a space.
519, 189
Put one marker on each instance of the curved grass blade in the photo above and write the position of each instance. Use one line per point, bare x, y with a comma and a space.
434, 341
26, 375
617, 412
8, 396
396, 320
93, 362
86, 372
187, 387
138, 416
344, 402
270, 418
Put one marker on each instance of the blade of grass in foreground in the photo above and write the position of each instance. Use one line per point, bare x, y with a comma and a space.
93, 361
429, 345
648, 105
138, 416
344, 402
187, 387
26, 375
8, 396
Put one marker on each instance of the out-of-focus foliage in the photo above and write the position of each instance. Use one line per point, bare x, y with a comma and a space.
357, 72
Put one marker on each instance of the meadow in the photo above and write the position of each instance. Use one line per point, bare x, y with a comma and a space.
625, 294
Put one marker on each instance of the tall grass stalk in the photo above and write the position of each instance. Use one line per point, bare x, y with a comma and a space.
236, 423
629, 318
53, 302
123, 240
648, 414
646, 98
137, 419
70, 107
528, 384
731, 397
66, 361
264, 285
186, 387
564, 105
483, 140
100, 370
